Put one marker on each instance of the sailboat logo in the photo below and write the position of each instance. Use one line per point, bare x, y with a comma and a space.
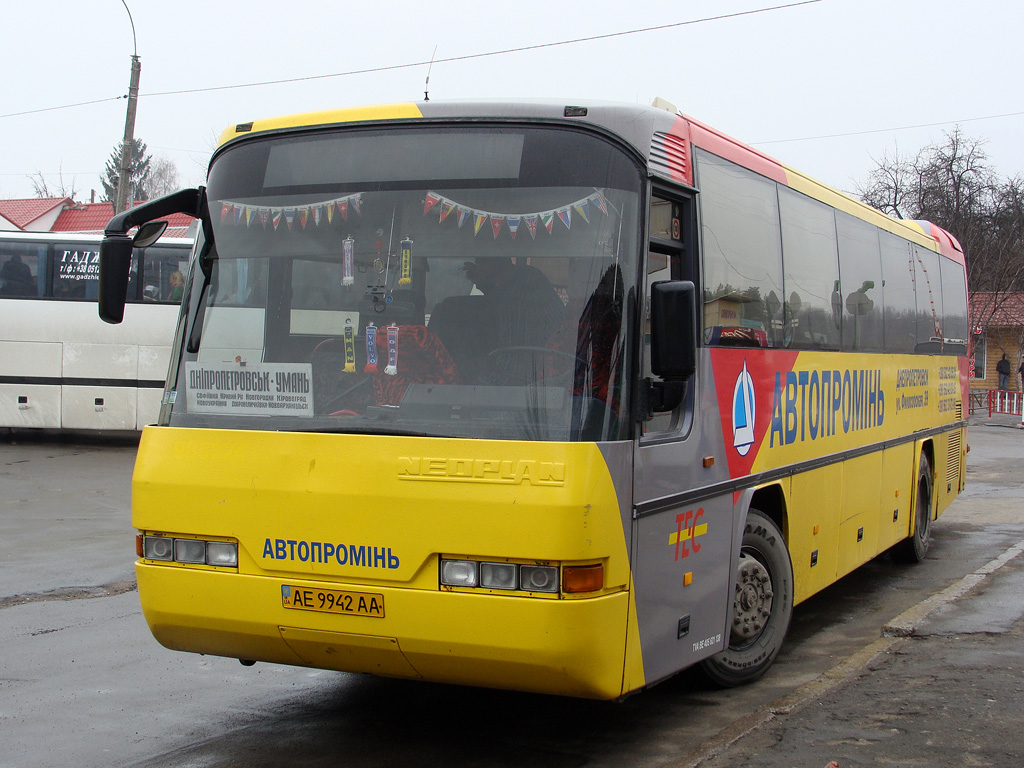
743, 410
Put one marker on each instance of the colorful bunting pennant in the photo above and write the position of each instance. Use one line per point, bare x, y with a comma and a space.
240, 212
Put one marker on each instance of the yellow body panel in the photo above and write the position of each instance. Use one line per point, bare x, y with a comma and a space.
327, 117
407, 501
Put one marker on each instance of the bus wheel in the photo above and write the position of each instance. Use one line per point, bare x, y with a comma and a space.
762, 607
913, 548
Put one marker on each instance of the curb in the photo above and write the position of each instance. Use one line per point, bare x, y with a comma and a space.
893, 633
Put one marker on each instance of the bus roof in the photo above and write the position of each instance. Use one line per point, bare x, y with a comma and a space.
661, 134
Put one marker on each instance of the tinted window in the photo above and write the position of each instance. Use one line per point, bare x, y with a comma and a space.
165, 268
76, 272
22, 269
742, 254
861, 284
813, 306
954, 308
929, 301
898, 290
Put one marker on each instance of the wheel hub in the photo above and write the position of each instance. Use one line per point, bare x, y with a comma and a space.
753, 599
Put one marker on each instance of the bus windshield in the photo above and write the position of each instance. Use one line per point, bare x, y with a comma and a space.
415, 280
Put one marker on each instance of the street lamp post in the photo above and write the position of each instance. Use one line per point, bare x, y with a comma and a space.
123, 180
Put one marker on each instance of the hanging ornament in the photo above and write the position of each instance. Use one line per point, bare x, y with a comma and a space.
348, 261
350, 348
496, 222
566, 216
531, 224
406, 277
391, 369
430, 202
478, 221
371, 349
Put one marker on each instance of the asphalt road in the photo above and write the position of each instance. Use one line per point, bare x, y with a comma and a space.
83, 683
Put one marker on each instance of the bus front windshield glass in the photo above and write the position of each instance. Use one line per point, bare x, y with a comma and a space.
419, 281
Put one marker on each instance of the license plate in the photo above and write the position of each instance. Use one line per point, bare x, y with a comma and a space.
333, 601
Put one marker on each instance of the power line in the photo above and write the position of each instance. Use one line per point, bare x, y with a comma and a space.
470, 56
410, 65
64, 106
885, 130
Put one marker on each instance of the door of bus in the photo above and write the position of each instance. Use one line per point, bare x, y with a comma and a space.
683, 538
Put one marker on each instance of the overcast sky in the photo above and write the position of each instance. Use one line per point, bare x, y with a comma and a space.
827, 87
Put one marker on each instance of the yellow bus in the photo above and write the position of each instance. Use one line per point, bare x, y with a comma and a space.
535, 396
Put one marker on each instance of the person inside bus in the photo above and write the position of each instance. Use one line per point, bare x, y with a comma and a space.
525, 308
17, 278
177, 286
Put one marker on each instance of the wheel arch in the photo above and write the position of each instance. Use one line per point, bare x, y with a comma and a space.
771, 501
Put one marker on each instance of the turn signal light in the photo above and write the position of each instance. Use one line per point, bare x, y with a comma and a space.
583, 578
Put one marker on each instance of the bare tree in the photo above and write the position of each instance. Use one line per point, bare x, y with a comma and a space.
42, 189
163, 177
953, 184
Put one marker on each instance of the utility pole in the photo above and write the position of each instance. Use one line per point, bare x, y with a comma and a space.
123, 180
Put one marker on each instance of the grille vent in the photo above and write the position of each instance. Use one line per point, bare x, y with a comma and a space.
669, 156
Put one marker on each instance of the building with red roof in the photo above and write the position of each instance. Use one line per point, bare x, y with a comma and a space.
62, 214
93, 217
997, 328
36, 214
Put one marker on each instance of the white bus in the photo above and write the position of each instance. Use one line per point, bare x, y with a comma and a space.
60, 366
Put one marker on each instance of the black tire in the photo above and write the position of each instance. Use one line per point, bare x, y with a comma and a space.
762, 607
914, 548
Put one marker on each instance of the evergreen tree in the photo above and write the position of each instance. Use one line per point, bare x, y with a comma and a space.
138, 173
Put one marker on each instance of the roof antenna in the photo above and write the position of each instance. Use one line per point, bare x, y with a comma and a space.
426, 85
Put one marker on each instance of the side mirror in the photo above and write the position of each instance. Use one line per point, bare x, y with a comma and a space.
115, 266
673, 330
149, 233
673, 344
116, 247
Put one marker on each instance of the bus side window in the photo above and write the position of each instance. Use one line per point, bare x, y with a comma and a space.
163, 274
21, 265
76, 272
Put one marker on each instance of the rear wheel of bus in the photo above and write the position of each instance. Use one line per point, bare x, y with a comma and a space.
914, 548
762, 607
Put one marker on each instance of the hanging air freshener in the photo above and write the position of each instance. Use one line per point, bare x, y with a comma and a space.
391, 369
348, 261
350, 349
371, 349
406, 277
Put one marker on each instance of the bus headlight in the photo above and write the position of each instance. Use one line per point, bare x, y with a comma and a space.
189, 551
223, 554
538, 578
158, 548
498, 575
458, 573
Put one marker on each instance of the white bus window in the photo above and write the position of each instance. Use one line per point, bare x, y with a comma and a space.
164, 274
76, 273
21, 264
